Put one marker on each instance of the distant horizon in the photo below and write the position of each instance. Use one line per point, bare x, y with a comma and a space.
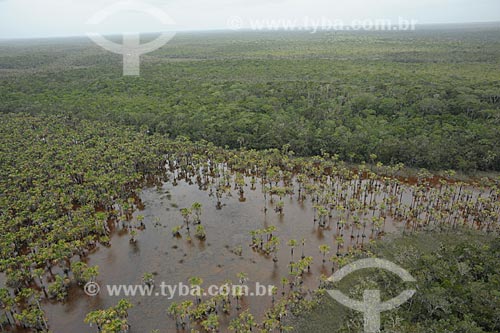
225, 29
35, 19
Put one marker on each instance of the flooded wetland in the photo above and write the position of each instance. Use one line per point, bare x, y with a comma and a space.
325, 217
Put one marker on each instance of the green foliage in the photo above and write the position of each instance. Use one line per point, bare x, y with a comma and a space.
458, 285
61, 182
148, 279
112, 320
459, 292
59, 289
244, 323
426, 98
82, 273
200, 232
56, 174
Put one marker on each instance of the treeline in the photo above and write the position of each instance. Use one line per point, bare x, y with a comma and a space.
418, 99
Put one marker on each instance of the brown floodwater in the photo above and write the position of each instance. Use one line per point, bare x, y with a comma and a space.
175, 260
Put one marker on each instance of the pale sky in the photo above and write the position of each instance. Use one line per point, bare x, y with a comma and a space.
51, 18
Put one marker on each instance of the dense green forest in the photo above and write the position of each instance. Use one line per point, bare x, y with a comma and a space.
458, 289
428, 98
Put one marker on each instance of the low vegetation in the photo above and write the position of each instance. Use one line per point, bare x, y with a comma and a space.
457, 287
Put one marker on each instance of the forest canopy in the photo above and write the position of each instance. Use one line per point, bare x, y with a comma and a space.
427, 98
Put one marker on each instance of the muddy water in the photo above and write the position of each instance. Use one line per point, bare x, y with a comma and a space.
176, 260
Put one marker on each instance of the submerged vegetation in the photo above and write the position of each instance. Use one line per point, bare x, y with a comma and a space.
68, 183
